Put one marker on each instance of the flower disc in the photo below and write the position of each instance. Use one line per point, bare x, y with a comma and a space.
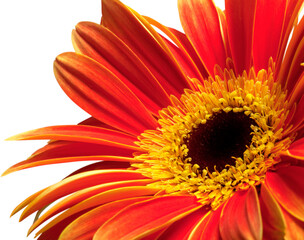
218, 139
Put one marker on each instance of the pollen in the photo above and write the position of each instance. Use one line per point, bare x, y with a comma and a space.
219, 138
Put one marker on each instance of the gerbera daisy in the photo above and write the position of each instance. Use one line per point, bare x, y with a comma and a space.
197, 135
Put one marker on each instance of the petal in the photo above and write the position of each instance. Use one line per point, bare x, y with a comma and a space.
291, 69
294, 227
223, 21
99, 92
273, 220
294, 96
85, 134
286, 186
82, 195
241, 216
26, 202
75, 183
201, 24
87, 224
55, 232
102, 165
208, 227
292, 12
182, 228
267, 31
297, 120
240, 23
100, 199
140, 219
146, 43
102, 45
185, 55
296, 149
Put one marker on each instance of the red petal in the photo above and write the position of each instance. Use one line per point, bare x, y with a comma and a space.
241, 216
102, 45
85, 134
290, 70
267, 31
240, 22
87, 224
140, 219
296, 149
145, 42
223, 21
272, 216
294, 227
91, 121
201, 24
297, 92
78, 182
208, 227
286, 186
297, 120
99, 92
102, 165
291, 17
182, 228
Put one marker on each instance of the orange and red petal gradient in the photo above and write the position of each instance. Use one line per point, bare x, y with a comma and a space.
123, 72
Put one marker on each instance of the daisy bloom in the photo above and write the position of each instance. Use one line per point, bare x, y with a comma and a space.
196, 135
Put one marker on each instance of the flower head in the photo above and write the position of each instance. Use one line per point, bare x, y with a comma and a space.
196, 135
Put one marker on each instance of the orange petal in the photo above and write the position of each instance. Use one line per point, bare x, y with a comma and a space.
182, 228
154, 235
82, 195
27, 201
146, 43
240, 22
241, 216
294, 227
78, 133
30, 163
102, 45
62, 149
99, 92
273, 220
99, 199
87, 224
140, 219
75, 183
267, 31
55, 232
184, 53
286, 186
201, 24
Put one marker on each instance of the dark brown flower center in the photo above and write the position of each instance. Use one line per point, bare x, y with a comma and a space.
222, 137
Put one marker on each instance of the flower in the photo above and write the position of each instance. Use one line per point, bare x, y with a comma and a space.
196, 135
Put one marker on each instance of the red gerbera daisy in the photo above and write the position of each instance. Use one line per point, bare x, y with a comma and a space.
197, 135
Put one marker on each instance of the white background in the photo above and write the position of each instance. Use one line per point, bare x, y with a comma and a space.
32, 34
